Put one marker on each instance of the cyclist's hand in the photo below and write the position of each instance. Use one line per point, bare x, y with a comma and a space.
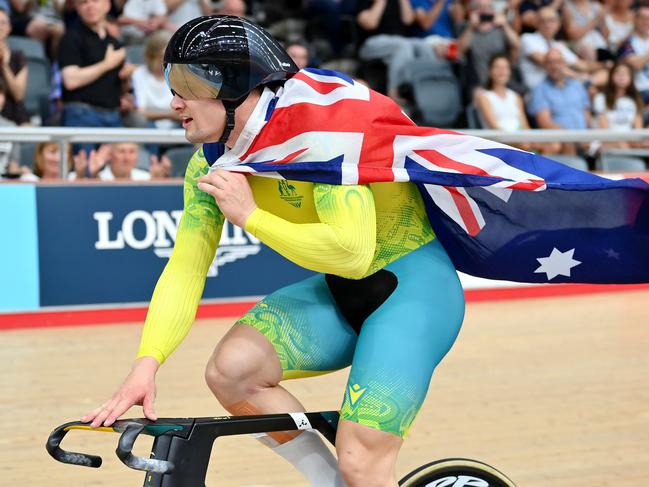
232, 193
137, 388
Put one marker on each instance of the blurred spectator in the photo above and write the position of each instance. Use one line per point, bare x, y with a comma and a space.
141, 18
233, 7
9, 155
182, 11
90, 60
47, 161
385, 25
152, 95
528, 13
437, 17
13, 71
117, 161
619, 107
47, 26
498, 106
534, 47
299, 53
585, 26
559, 102
326, 17
384, 29
619, 21
20, 12
487, 33
635, 51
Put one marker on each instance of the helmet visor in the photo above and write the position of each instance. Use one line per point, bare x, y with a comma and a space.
194, 81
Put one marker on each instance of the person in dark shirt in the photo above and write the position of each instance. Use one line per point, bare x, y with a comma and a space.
385, 28
13, 72
90, 60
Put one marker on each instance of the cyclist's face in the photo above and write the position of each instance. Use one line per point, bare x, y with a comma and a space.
202, 119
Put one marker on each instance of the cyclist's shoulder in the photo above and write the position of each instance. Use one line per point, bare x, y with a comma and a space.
202, 159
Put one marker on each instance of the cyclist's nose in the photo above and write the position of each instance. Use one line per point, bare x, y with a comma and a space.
177, 103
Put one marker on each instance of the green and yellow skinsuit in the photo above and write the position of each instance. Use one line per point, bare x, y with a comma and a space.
379, 265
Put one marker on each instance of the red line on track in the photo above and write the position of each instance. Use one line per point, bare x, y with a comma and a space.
80, 317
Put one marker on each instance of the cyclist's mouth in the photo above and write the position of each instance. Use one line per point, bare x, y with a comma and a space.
186, 122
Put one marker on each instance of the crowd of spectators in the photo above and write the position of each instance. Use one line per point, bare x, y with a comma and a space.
515, 64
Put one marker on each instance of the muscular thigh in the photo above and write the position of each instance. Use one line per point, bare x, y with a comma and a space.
401, 343
306, 329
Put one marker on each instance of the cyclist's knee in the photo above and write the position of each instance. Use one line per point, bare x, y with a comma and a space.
366, 456
239, 365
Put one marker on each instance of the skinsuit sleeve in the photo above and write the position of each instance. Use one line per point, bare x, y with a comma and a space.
344, 241
179, 288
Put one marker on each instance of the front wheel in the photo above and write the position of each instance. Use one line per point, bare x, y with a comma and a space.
456, 472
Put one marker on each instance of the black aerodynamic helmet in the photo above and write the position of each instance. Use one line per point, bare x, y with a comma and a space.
224, 57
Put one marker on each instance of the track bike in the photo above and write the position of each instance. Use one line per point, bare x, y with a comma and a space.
182, 447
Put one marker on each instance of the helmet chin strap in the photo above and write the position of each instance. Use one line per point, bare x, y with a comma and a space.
230, 107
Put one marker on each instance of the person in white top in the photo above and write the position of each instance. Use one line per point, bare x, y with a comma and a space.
635, 51
534, 47
619, 106
585, 27
152, 95
117, 161
141, 18
182, 11
47, 162
500, 107
619, 22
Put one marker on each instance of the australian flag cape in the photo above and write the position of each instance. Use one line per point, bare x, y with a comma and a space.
500, 212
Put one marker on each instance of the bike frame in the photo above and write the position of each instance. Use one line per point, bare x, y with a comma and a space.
182, 446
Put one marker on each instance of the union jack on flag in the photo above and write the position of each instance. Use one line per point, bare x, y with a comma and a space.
500, 212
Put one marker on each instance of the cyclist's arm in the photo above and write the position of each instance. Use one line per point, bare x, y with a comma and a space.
179, 288
344, 241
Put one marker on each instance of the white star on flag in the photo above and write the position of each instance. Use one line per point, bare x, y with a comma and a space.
558, 263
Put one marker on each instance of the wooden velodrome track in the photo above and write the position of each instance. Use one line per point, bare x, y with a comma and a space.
553, 391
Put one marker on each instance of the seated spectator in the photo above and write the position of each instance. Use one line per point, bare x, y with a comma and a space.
437, 17
141, 18
635, 50
117, 161
619, 22
487, 33
299, 53
9, 152
47, 25
527, 18
499, 107
90, 60
152, 95
535, 46
232, 7
585, 26
559, 102
13, 71
324, 17
619, 107
384, 28
182, 11
47, 162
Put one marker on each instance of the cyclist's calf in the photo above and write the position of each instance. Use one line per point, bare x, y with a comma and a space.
366, 456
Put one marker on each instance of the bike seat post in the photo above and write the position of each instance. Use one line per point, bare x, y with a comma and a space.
190, 457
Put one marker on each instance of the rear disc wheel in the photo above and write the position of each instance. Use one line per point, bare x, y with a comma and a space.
456, 472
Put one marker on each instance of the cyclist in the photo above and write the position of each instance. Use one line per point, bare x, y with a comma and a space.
386, 298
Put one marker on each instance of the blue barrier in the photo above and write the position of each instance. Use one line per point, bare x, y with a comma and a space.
18, 248
107, 244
